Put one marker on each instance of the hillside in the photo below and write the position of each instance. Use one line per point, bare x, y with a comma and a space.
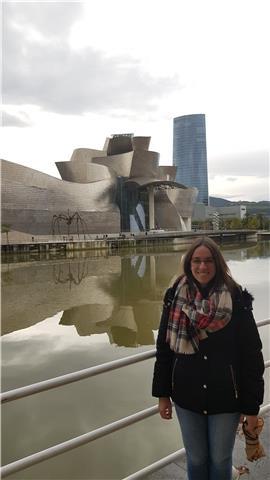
253, 208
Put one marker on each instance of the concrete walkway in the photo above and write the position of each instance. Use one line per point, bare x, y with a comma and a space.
259, 470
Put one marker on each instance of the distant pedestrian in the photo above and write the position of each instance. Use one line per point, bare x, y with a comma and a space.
209, 361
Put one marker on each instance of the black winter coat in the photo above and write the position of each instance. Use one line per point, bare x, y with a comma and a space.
225, 375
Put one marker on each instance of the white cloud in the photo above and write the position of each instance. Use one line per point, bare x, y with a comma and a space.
46, 72
241, 164
100, 67
242, 188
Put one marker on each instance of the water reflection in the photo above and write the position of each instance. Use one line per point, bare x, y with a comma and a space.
125, 325
117, 296
34, 293
73, 276
259, 250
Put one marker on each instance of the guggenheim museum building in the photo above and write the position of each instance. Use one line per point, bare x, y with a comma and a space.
121, 188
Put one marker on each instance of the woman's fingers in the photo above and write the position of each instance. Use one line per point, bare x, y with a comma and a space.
165, 408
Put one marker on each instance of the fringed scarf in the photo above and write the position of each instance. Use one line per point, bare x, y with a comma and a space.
192, 317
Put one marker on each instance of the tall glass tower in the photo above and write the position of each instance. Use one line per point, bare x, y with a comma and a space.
189, 153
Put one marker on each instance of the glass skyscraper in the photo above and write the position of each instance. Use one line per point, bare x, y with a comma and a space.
189, 153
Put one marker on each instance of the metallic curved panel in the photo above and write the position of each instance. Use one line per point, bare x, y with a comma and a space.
166, 216
174, 206
99, 193
173, 202
145, 182
121, 164
106, 144
31, 198
183, 200
167, 172
141, 143
120, 144
83, 172
85, 154
144, 164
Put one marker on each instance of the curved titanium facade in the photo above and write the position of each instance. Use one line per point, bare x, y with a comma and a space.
119, 189
189, 153
172, 204
30, 199
83, 172
120, 164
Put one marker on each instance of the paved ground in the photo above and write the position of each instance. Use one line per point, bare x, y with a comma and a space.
259, 470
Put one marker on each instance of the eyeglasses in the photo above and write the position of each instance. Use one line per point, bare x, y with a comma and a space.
198, 261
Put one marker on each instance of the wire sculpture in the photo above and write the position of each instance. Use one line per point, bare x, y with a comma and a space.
68, 220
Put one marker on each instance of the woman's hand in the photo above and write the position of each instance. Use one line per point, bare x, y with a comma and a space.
165, 408
251, 423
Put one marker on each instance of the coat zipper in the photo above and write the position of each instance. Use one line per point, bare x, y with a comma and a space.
174, 365
234, 382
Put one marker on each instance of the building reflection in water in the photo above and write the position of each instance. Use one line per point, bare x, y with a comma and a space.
138, 292
33, 293
119, 296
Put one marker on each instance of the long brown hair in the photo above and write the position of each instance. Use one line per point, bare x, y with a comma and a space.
223, 274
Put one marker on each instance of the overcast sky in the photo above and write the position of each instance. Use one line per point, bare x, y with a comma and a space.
76, 72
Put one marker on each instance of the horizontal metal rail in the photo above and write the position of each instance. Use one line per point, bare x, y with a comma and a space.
261, 323
74, 376
170, 458
76, 442
265, 409
83, 439
157, 465
82, 374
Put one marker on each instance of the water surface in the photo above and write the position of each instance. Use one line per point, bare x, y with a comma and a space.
63, 315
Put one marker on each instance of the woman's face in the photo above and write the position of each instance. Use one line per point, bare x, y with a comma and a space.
203, 265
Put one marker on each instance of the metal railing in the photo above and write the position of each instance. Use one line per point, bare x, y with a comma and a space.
74, 376
82, 374
76, 442
100, 432
170, 458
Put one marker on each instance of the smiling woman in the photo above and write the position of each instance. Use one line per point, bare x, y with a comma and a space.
210, 384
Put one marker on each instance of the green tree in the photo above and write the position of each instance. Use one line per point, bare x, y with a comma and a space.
262, 221
236, 224
253, 223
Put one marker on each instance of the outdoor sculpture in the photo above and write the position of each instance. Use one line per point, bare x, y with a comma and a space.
68, 220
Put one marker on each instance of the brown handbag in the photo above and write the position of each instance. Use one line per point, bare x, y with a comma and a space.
254, 448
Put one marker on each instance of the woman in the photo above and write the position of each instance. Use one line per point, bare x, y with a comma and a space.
209, 361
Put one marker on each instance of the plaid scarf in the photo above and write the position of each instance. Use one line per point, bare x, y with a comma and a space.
192, 316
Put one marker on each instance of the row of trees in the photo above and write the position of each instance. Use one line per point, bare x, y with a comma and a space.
251, 222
